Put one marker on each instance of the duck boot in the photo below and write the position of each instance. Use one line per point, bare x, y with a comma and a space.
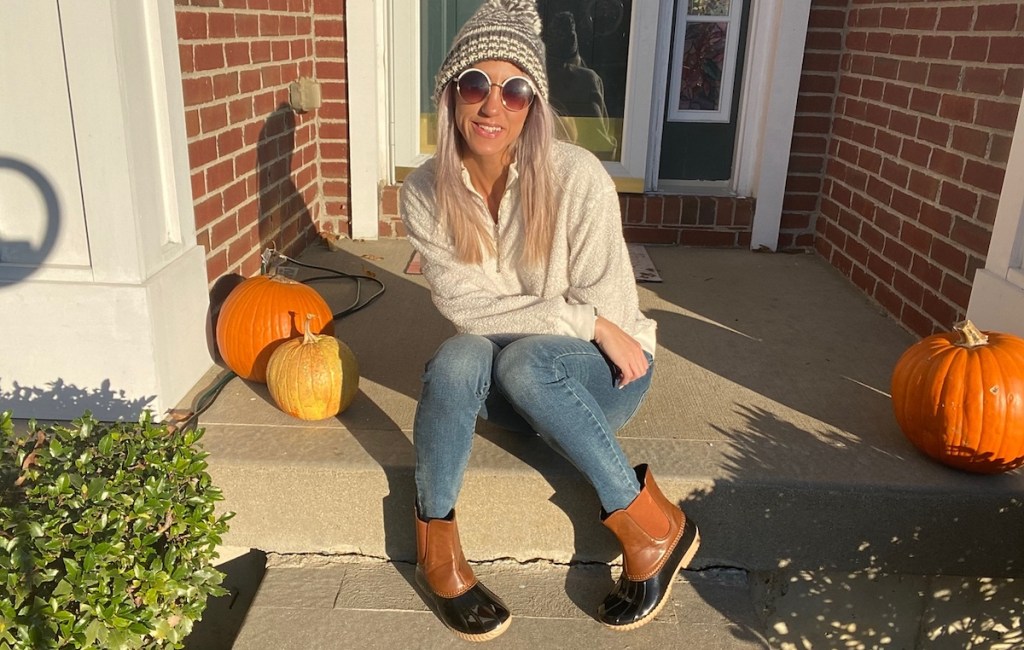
465, 606
657, 541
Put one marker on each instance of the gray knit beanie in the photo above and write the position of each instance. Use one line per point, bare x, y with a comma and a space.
503, 30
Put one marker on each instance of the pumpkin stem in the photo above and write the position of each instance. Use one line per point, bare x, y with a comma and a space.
307, 336
970, 336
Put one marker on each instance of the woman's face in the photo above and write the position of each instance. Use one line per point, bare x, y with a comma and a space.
489, 130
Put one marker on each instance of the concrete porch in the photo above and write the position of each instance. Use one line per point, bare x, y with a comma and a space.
769, 421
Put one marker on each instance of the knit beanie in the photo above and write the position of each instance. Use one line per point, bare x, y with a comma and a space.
503, 30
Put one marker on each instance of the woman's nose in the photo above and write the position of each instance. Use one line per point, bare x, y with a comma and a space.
492, 104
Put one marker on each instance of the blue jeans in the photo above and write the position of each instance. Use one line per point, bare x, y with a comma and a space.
561, 387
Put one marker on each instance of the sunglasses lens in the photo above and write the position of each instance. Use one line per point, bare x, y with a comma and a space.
516, 94
474, 86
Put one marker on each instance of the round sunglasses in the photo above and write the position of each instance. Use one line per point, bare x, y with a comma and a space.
474, 86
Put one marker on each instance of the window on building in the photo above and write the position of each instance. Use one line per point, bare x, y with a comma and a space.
604, 81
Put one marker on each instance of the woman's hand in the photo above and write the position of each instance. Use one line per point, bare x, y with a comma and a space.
622, 349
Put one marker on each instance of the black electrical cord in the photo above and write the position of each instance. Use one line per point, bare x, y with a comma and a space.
205, 399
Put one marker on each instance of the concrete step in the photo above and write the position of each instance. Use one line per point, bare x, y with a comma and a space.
768, 421
309, 603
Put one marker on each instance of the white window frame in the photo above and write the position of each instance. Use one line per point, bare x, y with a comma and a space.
724, 112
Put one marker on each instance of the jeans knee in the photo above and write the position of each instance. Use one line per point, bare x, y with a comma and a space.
464, 361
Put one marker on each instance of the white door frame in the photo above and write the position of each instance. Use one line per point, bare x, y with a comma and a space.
997, 297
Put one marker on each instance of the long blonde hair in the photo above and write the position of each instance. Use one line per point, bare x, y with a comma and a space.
455, 203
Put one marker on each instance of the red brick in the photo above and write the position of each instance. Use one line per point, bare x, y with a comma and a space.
924, 101
907, 286
946, 163
915, 153
913, 72
997, 17
922, 18
948, 257
940, 310
984, 81
957, 19
998, 115
897, 253
202, 152
905, 45
970, 141
984, 176
970, 48
197, 91
191, 25
972, 235
957, 108
958, 198
956, 290
944, 76
209, 57
936, 47
916, 238
931, 130
924, 185
896, 94
936, 219
1007, 49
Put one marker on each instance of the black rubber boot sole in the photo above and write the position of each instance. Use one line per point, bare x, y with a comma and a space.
634, 603
477, 615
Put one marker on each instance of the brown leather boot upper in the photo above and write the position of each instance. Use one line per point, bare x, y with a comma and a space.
648, 529
439, 556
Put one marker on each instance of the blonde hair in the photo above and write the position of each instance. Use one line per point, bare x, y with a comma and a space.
470, 234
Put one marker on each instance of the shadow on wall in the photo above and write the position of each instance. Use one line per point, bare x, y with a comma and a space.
105, 403
283, 217
21, 258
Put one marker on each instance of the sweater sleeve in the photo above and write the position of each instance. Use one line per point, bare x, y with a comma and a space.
466, 296
600, 271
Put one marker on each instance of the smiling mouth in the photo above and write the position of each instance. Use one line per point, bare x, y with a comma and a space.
488, 129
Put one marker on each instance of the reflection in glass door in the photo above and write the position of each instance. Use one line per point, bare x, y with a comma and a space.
587, 44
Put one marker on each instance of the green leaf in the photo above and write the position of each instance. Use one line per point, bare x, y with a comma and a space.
106, 444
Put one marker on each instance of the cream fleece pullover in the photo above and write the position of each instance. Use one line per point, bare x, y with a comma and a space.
589, 272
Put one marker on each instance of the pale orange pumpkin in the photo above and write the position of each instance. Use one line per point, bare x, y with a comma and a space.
314, 377
959, 398
260, 314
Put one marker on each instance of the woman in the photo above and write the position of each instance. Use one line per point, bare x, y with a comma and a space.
520, 239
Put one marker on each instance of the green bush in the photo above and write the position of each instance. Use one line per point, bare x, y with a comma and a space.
107, 535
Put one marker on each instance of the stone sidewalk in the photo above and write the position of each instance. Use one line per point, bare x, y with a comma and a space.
319, 603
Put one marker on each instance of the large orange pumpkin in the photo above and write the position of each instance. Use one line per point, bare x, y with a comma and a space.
261, 313
314, 377
959, 398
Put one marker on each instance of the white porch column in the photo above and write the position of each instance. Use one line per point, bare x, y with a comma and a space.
778, 49
103, 288
997, 297
366, 41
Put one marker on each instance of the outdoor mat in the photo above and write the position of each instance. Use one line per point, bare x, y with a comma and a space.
643, 268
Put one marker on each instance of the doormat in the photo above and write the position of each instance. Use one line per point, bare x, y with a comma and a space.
643, 267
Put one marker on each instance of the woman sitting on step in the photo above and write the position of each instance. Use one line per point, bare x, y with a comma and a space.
520, 239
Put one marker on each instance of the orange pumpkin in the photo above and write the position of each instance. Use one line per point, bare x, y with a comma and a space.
314, 377
260, 314
959, 398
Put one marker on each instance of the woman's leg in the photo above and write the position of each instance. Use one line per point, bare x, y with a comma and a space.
456, 383
565, 388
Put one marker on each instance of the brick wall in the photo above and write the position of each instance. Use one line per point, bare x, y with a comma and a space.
925, 110
812, 126
262, 172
